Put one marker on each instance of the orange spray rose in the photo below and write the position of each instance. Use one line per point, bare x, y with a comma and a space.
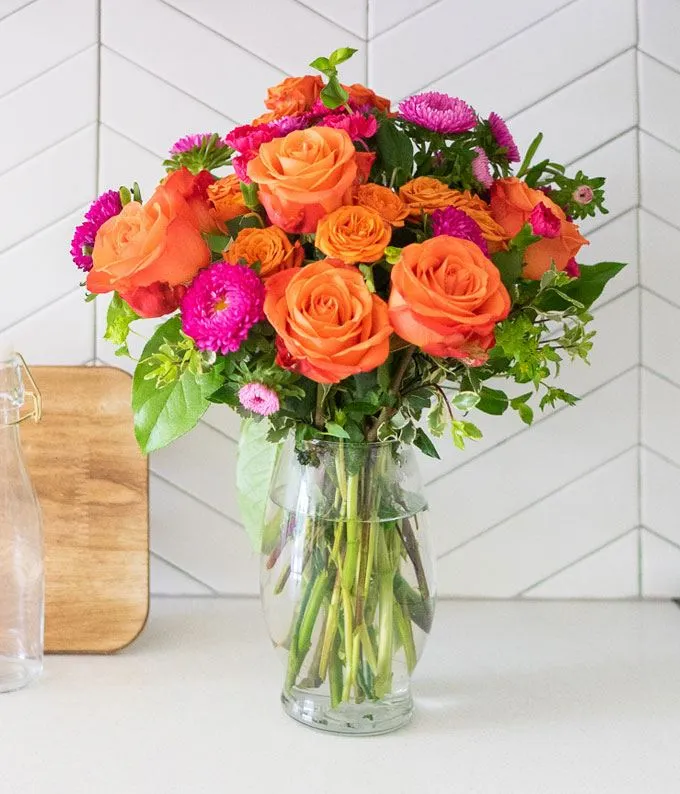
353, 234
226, 198
290, 97
329, 323
447, 297
512, 202
425, 194
384, 201
269, 246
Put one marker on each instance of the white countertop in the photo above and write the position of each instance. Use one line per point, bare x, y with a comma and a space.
512, 698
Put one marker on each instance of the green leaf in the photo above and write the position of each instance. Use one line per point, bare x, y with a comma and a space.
531, 151
125, 195
255, 464
118, 319
217, 242
471, 431
392, 254
340, 55
510, 264
166, 413
585, 289
322, 65
465, 400
492, 401
249, 193
333, 95
424, 444
334, 429
136, 193
526, 414
396, 150
250, 221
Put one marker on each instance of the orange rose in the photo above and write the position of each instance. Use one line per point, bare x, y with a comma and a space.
226, 198
425, 194
446, 298
480, 212
193, 189
330, 324
147, 243
304, 176
512, 202
384, 201
270, 247
292, 96
353, 234
360, 95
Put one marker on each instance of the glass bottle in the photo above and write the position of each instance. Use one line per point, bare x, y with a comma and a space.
22, 579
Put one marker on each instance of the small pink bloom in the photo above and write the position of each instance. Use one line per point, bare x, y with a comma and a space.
481, 168
259, 399
583, 194
573, 269
544, 221
247, 138
240, 164
189, 142
357, 125
503, 137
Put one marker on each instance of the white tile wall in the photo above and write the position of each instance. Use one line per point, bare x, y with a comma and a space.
94, 91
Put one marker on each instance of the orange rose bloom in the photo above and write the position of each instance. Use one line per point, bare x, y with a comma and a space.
292, 96
304, 176
425, 194
226, 198
446, 298
353, 234
384, 201
330, 324
480, 212
193, 189
360, 95
147, 243
511, 204
270, 247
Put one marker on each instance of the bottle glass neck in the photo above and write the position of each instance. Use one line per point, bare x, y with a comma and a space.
11, 391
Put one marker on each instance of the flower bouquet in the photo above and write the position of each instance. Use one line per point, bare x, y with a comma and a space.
365, 279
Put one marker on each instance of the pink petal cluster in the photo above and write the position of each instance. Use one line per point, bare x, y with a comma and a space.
240, 165
481, 168
247, 138
573, 269
220, 307
103, 208
287, 124
503, 137
189, 142
583, 194
357, 125
455, 223
259, 399
438, 112
543, 221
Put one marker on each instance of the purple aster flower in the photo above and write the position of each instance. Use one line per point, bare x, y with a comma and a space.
101, 209
543, 221
287, 124
105, 207
455, 223
220, 307
438, 112
501, 133
259, 399
481, 168
189, 142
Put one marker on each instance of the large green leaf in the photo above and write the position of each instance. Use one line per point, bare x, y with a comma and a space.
163, 414
254, 469
585, 289
396, 151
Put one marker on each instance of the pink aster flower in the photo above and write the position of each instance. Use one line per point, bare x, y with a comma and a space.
287, 124
543, 221
259, 399
455, 223
583, 194
481, 168
101, 209
240, 164
573, 270
247, 138
438, 112
357, 125
503, 137
220, 307
189, 142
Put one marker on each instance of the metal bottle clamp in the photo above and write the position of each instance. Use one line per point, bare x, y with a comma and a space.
34, 393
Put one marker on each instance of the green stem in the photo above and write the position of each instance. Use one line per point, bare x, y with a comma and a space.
349, 570
405, 631
387, 412
331, 629
383, 679
335, 674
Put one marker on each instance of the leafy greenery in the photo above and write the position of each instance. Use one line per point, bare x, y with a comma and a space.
118, 318
333, 95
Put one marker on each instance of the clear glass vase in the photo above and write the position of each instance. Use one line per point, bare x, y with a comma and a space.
348, 582
22, 580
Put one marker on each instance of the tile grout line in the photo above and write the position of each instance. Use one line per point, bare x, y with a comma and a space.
597, 148
40, 309
660, 536
651, 57
98, 146
105, 125
640, 483
195, 498
660, 375
537, 502
569, 565
181, 570
409, 18
493, 47
656, 138
168, 83
18, 10
660, 218
661, 456
238, 46
46, 149
42, 229
318, 13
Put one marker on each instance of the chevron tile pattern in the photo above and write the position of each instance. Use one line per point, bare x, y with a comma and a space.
584, 504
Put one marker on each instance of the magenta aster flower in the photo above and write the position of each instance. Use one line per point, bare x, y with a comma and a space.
543, 221
259, 399
573, 269
438, 112
189, 142
105, 207
455, 223
220, 307
240, 164
501, 133
287, 124
357, 125
481, 168
247, 138
102, 208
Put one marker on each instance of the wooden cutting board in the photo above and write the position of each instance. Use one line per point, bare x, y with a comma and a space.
92, 482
